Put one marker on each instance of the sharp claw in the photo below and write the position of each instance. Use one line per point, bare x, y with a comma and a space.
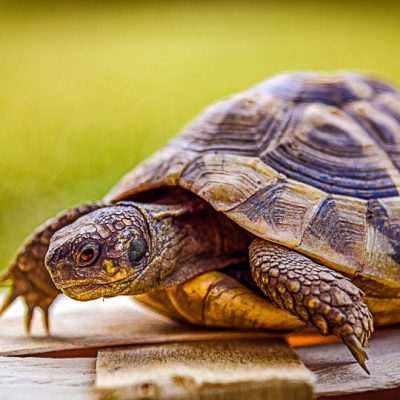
363, 338
32, 301
28, 319
9, 300
355, 347
45, 313
5, 277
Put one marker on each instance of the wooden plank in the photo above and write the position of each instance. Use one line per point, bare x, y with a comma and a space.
391, 394
120, 321
226, 369
46, 379
338, 374
96, 324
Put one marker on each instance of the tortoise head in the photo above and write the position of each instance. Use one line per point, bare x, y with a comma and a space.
102, 254
132, 248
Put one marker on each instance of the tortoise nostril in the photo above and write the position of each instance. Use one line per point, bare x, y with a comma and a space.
53, 257
51, 261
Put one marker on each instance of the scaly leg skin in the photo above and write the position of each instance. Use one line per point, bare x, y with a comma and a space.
28, 274
316, 294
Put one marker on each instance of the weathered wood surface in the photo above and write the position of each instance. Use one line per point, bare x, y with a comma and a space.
337, 373
236, 369
96, 324
118, 321
47, 379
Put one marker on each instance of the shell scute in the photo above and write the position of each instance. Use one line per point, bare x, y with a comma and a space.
328, 149
337, 233
381, 125
310, 88
221, 131
162, 169
382, 257
279, 212
226, 180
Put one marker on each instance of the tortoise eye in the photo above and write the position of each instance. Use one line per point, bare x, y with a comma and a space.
138, 249
87, 255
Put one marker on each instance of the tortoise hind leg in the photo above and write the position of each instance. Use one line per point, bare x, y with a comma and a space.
314, 293
28, 274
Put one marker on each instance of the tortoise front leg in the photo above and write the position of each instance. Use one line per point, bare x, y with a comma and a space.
28, 274
215, 299
314, 293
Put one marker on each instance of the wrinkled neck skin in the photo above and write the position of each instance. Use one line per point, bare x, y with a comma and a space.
183, 241
190, 244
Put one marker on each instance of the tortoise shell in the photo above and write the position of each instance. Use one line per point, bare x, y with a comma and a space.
305, 160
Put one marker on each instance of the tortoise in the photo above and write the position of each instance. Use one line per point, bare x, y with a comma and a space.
276, 208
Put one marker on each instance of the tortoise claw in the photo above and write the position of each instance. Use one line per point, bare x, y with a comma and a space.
21, 286
28, 319
5, 277
46, 321
8, 301
355, 347
43, 304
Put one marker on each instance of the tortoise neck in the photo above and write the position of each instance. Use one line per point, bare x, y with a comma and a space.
189, 239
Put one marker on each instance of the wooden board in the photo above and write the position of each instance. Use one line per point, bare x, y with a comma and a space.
116, 321
46, 379
226, 369
337, 373
78, 327
96, 324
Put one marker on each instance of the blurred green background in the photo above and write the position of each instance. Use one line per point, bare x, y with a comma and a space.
87, 90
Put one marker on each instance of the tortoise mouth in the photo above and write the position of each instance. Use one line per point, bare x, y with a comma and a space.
92, 291
85, 291
85, 283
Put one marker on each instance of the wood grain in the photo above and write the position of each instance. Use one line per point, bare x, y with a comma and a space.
116, 322
79, 327
337, 373
226, 369
46, 379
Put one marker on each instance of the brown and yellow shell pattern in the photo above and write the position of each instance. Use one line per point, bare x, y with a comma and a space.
305, 160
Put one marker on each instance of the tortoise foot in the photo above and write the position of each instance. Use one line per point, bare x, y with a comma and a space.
28, 274
314, 293
22, 286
